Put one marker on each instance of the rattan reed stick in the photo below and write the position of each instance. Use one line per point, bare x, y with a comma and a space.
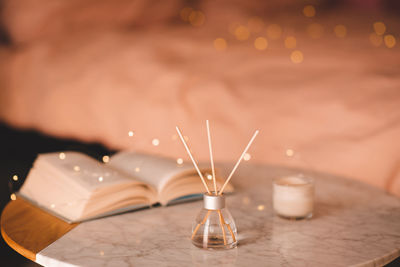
199, 224
238, 162
191, 157
211, 157
221, 221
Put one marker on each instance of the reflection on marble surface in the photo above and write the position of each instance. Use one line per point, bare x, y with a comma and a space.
201, 257
353, 224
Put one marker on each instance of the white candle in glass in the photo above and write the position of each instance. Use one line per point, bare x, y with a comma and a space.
293, 197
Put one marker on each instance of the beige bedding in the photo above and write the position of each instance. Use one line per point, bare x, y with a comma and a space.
95, 71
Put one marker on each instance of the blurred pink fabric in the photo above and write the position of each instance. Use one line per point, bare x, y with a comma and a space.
94, 70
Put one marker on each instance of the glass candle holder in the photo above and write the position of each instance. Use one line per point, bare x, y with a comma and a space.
214, 227
293, 197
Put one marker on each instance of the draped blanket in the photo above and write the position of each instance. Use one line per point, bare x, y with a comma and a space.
95, 70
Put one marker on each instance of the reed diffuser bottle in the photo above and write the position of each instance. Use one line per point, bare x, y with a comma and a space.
214, 227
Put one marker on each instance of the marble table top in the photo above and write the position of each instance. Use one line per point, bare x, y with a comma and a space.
353, 224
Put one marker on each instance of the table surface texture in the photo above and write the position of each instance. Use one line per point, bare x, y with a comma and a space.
353, 224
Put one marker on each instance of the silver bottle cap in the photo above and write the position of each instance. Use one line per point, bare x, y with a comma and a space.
213, 202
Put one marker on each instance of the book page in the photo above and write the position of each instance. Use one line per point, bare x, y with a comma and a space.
82, 170
77, 187
152, 169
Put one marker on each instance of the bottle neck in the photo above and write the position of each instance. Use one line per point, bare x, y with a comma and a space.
213, 202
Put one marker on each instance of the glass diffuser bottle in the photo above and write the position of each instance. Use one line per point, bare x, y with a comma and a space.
214, 227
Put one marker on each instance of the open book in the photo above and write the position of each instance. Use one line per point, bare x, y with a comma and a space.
76, 187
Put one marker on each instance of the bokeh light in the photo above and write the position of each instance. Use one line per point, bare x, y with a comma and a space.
379, 28
289, 152
155, 142
106, 159
220, 44
309, 11
242, 33
389, 40
296, 56
260, 43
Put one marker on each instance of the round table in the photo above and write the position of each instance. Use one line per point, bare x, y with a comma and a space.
353, 224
